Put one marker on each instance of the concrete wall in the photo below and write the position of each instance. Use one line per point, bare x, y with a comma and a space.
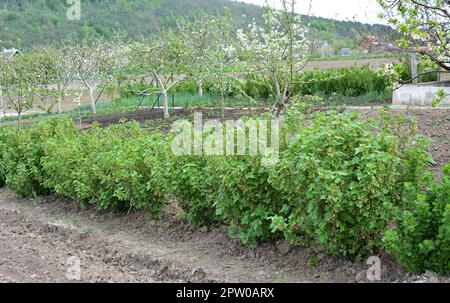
445, 77
421, 94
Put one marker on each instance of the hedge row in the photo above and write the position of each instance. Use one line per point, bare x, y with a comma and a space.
345, 186
351, 82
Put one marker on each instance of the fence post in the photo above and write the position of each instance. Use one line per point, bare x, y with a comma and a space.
414, 73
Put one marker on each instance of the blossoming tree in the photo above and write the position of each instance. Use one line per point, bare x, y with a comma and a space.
160, 58
87, 64
277, 51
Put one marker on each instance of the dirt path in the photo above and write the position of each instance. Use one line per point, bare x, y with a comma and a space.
34, 251
37, 238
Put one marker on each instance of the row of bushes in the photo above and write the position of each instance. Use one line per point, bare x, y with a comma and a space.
351, 82
110, 168
345, 186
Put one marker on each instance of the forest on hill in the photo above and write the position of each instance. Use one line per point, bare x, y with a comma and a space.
31, 22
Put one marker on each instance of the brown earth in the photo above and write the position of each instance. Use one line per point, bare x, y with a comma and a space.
331, 64
38, 236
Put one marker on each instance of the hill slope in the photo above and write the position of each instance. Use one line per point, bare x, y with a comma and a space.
27, 22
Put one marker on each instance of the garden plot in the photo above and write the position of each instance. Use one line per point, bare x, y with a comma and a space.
119, 248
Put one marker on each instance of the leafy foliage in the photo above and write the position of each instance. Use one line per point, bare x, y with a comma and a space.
341, 178
109, 168
350, 82
193, 183
22, 152
340, 185
248, 200
424, 25
420, 237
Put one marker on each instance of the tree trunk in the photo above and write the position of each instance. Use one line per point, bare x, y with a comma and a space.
59, 104
222, 104
165, 104
1, 97
277, 86
163, 91
19, 113
200, 88
92, 99
414, 74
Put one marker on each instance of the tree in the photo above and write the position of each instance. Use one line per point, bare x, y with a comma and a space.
199, 37
224, 56
159, 58
47, 71
61, 74
18, 81
277, 51
425, 25
87, 64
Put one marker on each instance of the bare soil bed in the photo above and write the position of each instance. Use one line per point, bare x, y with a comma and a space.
38, 236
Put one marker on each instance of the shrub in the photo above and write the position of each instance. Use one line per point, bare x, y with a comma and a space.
246, 199
351, 82
193, 182
254, 87
109, 168
23, 151
341, 179
420, 236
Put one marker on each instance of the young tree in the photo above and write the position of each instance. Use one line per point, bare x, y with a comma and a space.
47, 86
224, 56
87, 61
160, 58
61, 75
118, 68
201, 37
18, 81
425, 25
277, 51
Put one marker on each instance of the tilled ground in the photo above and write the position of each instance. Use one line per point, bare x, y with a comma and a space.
38, 238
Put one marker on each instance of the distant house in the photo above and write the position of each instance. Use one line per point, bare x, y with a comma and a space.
373, 45
345, 52
9, 53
